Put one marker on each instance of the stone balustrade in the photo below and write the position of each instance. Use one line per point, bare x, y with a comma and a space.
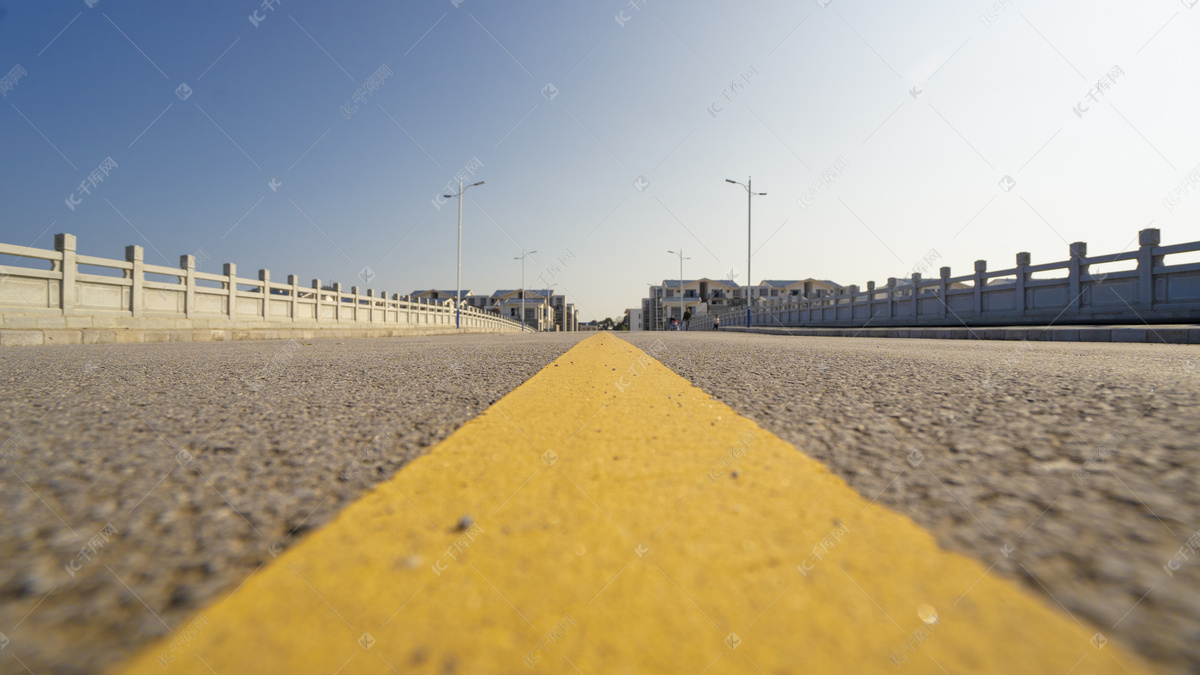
82, 298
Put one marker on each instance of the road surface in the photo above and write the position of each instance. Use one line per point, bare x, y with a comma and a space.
278, 436
1002, 430
207, 461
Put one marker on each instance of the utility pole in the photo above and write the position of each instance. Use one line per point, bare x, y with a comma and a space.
750, 194
458, 276
522, 259
681, 259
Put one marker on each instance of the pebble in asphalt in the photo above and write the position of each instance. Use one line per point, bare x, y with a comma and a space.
207, 459
983, 444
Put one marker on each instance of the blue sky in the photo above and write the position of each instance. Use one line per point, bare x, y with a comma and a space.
922, 109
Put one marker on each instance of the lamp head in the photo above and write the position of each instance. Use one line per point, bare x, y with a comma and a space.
731, 181
448, 196
479, 183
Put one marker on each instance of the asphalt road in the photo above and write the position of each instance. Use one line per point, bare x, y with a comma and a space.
276, 438
1002, 430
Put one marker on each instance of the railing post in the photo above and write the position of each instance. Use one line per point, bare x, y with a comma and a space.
980, 268
316, 284
916, 291
136, 255
354, 314
891, 296
230, 271
1019, 299
295, 284
1075, 272
1147, 240
944, 273
65, 244
337, 301
870, 302
265, 277
187, 263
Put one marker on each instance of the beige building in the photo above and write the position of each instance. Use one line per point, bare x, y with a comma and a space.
673, 299
544, 311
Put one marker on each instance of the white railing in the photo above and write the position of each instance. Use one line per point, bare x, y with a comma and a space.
1065, 292
67, 289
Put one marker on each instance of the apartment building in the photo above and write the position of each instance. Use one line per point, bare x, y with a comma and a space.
673, 297
543, 309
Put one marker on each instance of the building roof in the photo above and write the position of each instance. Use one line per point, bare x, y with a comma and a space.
674, 283
779, 283
529, 292
448, 294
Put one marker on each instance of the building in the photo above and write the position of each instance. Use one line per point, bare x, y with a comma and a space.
806, 288
633, 318
673, 298
543, 309
538, 306
436, 296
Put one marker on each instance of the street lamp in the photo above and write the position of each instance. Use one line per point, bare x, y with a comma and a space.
458, 277
522, 259
681, 259
749, 195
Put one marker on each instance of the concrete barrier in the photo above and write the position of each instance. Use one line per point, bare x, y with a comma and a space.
1172, 334
85, 299
1155, 290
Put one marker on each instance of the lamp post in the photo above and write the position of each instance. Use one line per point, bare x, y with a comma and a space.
749, 195
522, 259
458, 276
681, 259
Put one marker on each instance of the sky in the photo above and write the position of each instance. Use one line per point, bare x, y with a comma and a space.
316, 139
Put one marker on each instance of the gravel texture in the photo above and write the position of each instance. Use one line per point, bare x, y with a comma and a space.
207, 459
1001, 430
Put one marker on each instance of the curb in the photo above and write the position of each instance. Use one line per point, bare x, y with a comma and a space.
1187, 334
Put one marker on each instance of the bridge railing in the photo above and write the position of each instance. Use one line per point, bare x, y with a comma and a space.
1071, 291
81, 285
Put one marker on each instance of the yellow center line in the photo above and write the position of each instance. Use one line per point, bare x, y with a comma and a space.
636, 550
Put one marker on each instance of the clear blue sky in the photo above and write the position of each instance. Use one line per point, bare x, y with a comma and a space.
643, 90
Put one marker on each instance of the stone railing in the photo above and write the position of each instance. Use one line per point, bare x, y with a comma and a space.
88, 299
1072, 291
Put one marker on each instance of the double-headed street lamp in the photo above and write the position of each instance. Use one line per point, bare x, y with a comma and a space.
458, 277
750, 193
681, 259
522, 259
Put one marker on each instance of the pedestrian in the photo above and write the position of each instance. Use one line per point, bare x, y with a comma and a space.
687, 320
717, 322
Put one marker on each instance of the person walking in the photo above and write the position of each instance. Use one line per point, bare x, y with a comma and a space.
687, 320
717, 322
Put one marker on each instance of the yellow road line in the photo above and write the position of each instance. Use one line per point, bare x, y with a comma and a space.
604, 530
